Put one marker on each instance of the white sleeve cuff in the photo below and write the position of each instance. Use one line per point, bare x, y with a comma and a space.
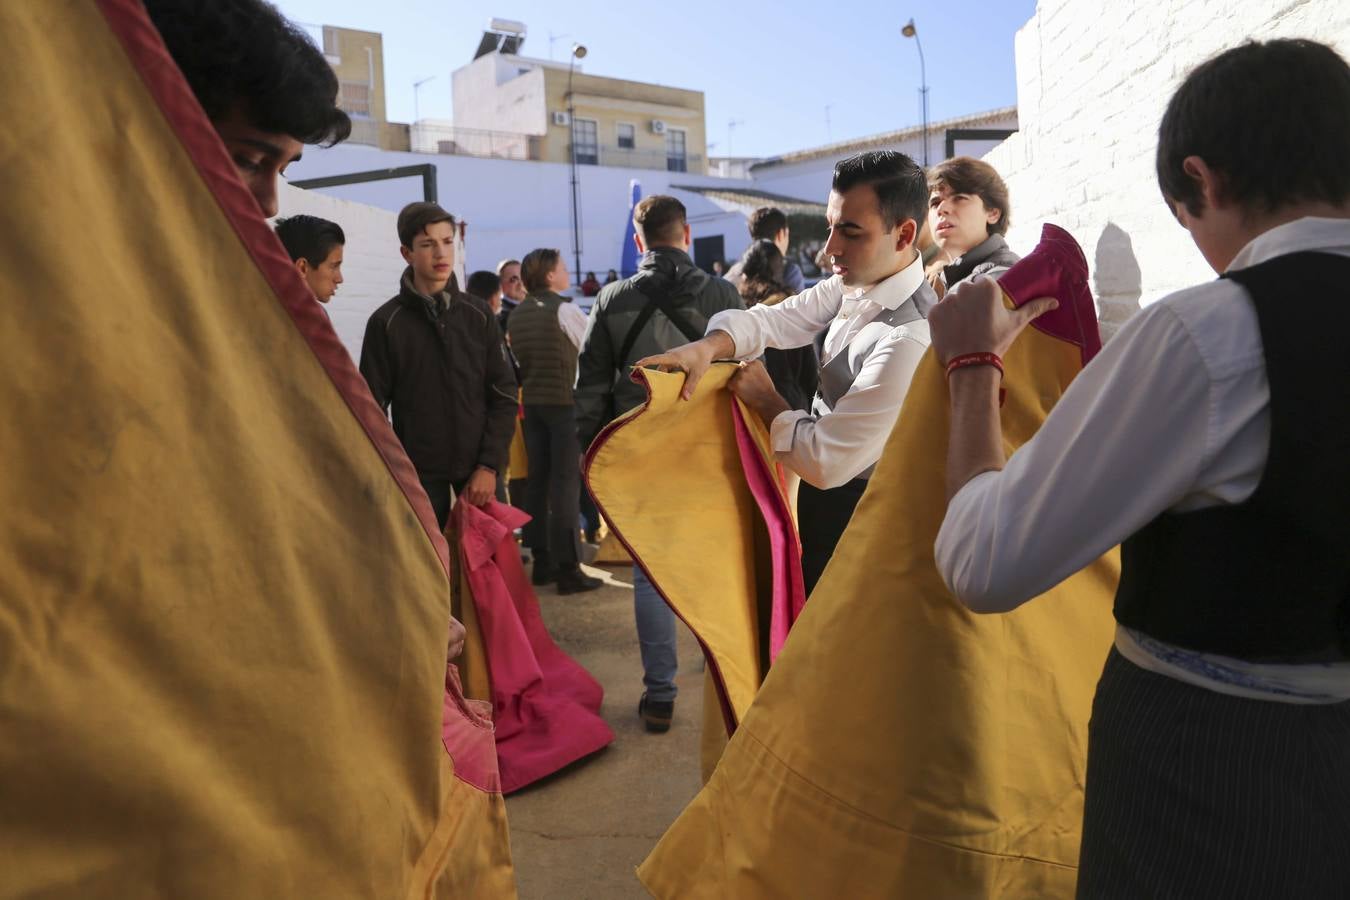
783, 429
737, 323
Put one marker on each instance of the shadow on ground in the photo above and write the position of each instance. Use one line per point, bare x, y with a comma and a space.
580, 834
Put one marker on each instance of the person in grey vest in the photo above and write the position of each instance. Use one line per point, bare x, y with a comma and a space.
545, 330
874, 307
625, 325
1210, 440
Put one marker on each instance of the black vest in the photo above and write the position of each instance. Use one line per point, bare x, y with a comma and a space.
1267, 579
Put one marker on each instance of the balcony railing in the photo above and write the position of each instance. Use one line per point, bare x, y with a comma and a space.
637, 159
456, 141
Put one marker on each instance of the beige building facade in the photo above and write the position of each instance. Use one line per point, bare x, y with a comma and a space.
613, 122
357, 58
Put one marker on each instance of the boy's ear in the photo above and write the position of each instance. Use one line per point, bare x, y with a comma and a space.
303, 266
1207, 179
407, 254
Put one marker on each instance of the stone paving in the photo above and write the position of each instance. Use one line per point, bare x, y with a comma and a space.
580, 834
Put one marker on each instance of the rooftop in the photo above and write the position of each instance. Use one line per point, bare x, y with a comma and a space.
886, 138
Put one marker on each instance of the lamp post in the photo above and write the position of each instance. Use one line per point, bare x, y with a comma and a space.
910, 31
417, 86
578, 52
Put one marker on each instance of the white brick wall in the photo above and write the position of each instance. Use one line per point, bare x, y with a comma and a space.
1093, 80
371, 264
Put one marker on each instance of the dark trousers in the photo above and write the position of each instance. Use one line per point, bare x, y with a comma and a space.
822, 517
1193, 793
438, 492
553, 491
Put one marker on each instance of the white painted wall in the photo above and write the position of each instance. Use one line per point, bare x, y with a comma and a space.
512, 207
491, 94
1093, 81
810, 179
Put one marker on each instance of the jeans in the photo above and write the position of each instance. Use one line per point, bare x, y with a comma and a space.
553, 490
656, 639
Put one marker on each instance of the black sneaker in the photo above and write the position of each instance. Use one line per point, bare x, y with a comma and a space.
656, 714
577, 582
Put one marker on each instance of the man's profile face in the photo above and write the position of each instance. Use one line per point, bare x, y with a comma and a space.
259, 156
512, 287
861, 248
324, 278
432, 254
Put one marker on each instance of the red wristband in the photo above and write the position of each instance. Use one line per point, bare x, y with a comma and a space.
979, 359
975, 359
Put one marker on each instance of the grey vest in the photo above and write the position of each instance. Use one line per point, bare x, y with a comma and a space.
838, 375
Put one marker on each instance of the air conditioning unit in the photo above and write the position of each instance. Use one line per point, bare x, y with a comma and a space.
658, 127
562, 118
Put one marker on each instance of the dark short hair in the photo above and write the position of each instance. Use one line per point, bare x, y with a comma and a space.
483, 284
415, 218
309, 237
1273, 119
762, 272
766, 222
899, 182
536, 266
975, 177
245, 55
660, 219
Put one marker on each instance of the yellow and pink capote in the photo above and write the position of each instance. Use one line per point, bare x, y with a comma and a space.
902, 746
223, 599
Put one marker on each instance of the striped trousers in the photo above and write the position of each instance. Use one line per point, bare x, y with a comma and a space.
1196, 794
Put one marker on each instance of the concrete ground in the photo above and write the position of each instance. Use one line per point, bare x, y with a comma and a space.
580, 834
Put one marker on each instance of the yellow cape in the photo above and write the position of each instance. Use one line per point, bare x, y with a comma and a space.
901, 746
222, 620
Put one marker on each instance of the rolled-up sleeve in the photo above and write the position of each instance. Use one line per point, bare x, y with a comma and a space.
831, 450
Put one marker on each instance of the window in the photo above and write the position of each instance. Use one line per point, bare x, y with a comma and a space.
586, 141
676, 158
354, 99
330, 41
627, 136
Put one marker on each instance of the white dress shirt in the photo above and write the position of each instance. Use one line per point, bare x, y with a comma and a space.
1173, 414
572, 321
830, 450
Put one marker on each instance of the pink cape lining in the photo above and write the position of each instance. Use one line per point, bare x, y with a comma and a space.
545, 706
789, 586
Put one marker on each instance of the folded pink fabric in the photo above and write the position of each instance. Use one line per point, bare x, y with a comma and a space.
788, 586
545, 706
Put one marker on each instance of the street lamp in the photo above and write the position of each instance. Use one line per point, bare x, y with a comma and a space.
578, 52
910, 31
417, 86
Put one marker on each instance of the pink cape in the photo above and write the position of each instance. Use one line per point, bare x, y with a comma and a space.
545, 706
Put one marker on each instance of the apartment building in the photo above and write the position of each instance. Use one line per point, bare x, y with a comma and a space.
552, 106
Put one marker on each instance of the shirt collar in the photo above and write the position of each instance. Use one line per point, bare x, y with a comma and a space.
890, 293
1308, 233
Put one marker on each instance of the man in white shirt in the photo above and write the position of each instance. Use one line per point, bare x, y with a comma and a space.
874, 308
1211, 440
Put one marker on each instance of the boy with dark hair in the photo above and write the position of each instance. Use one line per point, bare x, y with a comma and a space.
769, 223
435, 356
968, 215
668, 301
874, 308
486, 286
1209, 439
315, 246
263, 84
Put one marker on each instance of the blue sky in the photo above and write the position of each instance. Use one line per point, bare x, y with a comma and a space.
774, 74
